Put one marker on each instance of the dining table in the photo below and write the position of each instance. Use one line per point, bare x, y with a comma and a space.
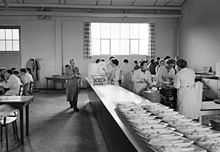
22, 104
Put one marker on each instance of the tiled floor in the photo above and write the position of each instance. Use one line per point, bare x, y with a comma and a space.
56, 128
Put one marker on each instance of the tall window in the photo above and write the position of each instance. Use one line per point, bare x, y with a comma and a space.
9, 38
120, 39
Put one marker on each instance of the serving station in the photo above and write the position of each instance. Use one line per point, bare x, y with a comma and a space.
131, 123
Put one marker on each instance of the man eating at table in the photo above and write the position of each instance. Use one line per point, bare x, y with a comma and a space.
12, 83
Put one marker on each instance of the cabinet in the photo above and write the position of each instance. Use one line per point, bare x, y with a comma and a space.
211, 88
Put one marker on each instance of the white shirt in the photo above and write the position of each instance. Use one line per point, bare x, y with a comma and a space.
164, 74
115, 75
13, 84
28, 78
141, 80
184, 78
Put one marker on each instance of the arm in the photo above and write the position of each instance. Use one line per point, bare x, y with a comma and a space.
7, 84
148, 80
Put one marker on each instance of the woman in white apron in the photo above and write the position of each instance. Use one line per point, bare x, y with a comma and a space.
141, 78
189, 94
115, 72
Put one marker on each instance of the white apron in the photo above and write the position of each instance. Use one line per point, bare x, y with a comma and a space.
189, 100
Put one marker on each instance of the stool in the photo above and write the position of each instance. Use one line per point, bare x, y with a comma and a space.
8, 116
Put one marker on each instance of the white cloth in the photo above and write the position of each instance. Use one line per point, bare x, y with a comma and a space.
13, 84
114, 75
165, 75
26, 78
109, 67
126, 72
141, 80
189, 94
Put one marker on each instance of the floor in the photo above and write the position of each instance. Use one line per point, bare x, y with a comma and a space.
54, 127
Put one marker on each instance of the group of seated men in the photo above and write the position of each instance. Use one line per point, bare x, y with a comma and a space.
11, 81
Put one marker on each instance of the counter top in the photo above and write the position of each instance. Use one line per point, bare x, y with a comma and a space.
110, 95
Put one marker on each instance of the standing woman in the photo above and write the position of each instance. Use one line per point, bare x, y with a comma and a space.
114, 76
141, 78
189, 94
72, 75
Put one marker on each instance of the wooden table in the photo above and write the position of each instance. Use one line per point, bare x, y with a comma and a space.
55, 80
19, 102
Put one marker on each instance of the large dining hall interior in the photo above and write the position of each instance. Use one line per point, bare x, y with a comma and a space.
109, 76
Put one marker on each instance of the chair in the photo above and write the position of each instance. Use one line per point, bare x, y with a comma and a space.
21, 90
8, 116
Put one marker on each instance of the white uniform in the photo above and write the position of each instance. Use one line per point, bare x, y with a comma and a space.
126, 72
164, 75
13, 84
103, 68
115, 75
138, 77
189, 94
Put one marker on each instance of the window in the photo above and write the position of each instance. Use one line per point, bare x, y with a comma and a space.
120, 38
9, 38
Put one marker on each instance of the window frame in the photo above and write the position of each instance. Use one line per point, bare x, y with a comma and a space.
5, 27
120, 38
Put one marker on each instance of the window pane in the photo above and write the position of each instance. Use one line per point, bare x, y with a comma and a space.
125, 31
124, 49
115, 30
134, 46
144, 31
115, 49
2, 34
9, 34
2, 45
95, 47
16, 46
105, 30
8, 45
144, 47
15, 34
95, 30
134, 31
105, 47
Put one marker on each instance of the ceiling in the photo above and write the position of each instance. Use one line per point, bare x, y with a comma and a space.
103, 8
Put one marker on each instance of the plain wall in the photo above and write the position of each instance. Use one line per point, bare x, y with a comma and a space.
200, 33
57, 40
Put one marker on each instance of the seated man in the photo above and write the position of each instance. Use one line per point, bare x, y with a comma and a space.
12, 83
26, 79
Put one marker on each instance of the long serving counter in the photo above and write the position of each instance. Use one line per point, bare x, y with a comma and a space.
117, 135
130, 123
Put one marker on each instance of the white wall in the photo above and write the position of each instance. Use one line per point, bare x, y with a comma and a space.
58, 40
200, 33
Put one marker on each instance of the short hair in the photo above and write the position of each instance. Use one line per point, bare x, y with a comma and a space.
23, 70
29, 70
152, 61
142, 63
125, 60
102, 60
115, 61
167, 57
12, 69
181, 63
16, 72
158, 58
97, 61
111, 57
135, 61
170, 61
67, 65
9, 71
